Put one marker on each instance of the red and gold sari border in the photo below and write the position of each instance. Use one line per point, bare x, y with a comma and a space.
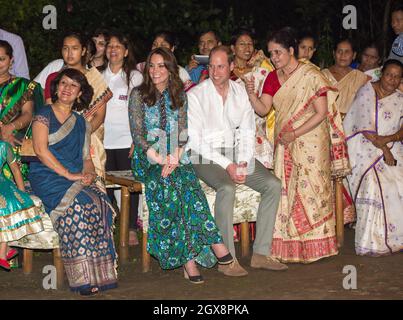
304, 251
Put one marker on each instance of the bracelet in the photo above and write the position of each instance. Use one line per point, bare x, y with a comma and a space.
398, 136
13, 124
295, 135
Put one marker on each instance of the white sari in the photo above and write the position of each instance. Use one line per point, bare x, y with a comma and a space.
376, 187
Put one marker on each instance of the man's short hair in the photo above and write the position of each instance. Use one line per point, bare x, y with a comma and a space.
397, 7
210, 31
225, 49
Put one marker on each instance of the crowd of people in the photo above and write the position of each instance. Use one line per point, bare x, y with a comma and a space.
231, 116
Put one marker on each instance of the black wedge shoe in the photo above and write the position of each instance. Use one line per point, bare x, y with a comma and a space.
227, 259
193, 279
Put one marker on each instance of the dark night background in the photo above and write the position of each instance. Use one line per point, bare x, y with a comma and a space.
140, 19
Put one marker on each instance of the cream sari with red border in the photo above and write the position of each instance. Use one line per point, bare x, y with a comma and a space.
305, 223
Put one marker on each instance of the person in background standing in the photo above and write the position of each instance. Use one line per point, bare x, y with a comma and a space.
121, 77
207, 41
371, 62
306, 46
168, 39
396, 52
19, 67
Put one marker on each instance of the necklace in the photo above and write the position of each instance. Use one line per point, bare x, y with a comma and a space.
289, 74
64, 108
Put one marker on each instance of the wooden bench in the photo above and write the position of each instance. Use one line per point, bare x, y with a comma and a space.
125, 180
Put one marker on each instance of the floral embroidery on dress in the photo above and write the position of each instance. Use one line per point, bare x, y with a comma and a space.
387, 115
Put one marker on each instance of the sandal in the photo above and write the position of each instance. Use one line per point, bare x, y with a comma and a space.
227, 259
193, 279
5, 265
12, 254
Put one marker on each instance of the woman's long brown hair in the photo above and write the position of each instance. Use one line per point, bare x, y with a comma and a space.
148, 90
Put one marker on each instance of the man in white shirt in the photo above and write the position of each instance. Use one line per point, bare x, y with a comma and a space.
221, 129
19, 67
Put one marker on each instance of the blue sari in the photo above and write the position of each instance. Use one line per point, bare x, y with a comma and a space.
81, 215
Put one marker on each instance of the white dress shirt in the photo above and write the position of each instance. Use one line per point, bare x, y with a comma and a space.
213, 125
117, 129
19, 67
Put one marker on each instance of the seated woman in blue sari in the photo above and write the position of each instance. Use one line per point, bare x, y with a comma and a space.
64, 179
182, 230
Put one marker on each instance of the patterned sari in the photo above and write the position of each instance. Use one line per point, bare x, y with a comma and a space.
81, 215
264, 136
347, 87
14, 93
181, 226
264, 144
305, 222
376, 187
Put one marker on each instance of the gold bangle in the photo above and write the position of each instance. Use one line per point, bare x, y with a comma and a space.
398, 136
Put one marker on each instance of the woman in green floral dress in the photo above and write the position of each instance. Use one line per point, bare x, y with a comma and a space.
181, 228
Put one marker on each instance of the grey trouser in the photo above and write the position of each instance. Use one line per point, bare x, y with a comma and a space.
261, 180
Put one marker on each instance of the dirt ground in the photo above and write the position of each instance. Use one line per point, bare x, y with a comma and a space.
377, 278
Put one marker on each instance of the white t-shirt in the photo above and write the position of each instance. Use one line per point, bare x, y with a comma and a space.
117, 129
52, 67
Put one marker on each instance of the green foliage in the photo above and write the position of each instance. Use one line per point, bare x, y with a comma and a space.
24, 17
141, 19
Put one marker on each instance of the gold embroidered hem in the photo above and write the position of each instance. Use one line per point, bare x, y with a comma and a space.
85, 271
19, 224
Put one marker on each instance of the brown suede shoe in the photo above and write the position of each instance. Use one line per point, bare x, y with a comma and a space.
266, 262
233, 269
